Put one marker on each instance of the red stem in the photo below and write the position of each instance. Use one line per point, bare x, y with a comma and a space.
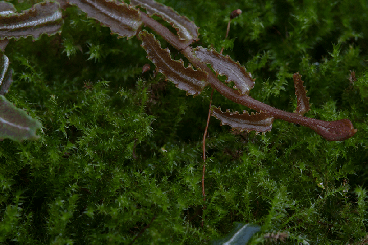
330, 130
204, 147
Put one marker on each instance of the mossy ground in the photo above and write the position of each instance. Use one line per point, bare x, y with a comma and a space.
119, 154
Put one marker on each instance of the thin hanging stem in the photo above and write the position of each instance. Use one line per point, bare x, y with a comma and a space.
204, 147
227, 33
206, 129
204, 154
234, 14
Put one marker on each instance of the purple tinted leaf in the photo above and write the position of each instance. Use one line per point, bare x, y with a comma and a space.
260, 122
3, 44
15, 124
224, 65
188, 79
121, 19
42, 18
6, 8
301, 95
63, 3
186, 29
5, 74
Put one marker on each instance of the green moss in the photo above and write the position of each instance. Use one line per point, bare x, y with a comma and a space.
119, 154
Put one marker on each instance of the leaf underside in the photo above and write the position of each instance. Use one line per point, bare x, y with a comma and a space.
260, 122
15, 124
5, 74
186, 29
224, 65
119, 17
301, 95
6, 8
42, 18
3, 44
188, 79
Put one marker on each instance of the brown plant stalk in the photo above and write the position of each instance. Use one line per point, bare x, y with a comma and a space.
331, 130
126, 21
234, 14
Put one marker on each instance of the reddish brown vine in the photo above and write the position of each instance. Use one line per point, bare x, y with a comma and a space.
126, 20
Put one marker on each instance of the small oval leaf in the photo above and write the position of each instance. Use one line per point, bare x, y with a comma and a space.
188, 79
42, 18
186, 29
301, 95
121, 19
224, 65
15, 124
260, 122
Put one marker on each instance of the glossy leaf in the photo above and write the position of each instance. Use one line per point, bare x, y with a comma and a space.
224, 65
188, 79
260, 122
121, 19
301, 95
5, 74
186, 29
42, 18
241, 235
15, 124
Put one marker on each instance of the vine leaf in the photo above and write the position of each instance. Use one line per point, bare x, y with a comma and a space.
5, 74
224, 65
188, 79
186, 29
301, 95
260, 122
15, 124
121, 19
42, 18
